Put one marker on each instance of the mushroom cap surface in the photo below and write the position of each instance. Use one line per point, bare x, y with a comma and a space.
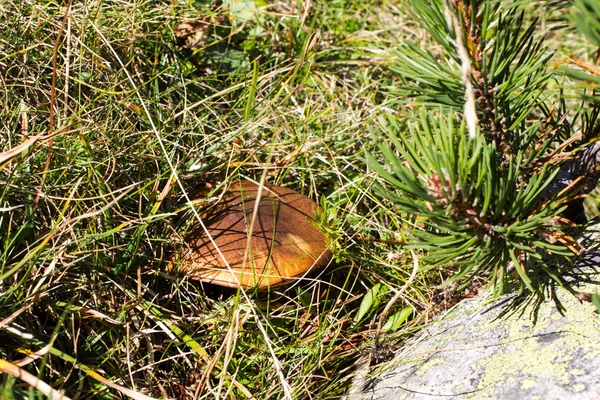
284, 243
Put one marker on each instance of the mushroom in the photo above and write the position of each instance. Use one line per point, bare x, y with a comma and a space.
284, 243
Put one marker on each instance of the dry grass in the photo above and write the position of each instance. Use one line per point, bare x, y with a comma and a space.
107, 121
112, 115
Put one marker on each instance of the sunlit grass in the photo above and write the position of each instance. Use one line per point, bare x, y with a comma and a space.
144, 111
139, 120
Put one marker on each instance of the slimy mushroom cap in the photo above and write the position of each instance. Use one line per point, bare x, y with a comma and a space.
284, 243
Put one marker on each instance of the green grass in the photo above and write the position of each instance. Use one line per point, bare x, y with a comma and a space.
84, 239
132, 117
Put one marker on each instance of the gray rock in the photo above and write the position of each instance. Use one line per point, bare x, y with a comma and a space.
474, 352
502, 350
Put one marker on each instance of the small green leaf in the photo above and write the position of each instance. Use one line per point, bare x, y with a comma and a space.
371, 299
244, 10
397, 319
596, 301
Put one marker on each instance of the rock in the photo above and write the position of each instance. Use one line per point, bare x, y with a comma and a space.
502, 350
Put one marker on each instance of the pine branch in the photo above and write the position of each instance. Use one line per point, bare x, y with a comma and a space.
491, 204
583, 171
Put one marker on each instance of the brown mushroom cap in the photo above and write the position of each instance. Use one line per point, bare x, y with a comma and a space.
284, 242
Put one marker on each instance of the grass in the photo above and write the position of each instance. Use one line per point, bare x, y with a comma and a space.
113, 113
126, 111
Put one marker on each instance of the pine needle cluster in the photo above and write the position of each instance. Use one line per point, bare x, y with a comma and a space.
481, 169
